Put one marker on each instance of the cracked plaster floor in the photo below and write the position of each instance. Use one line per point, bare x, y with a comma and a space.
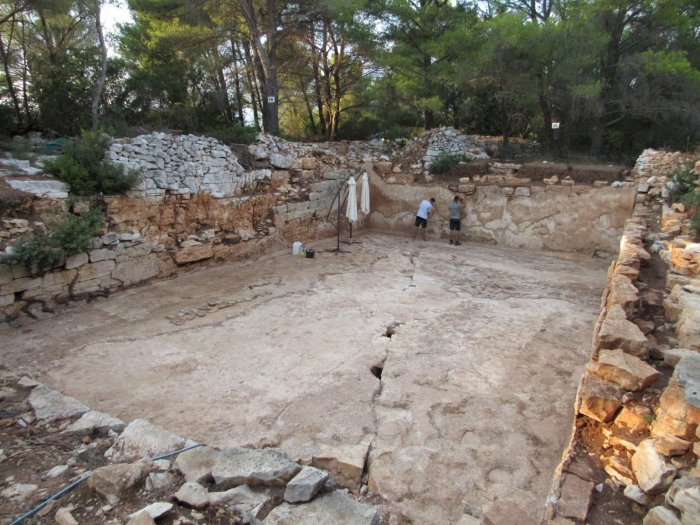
476, 399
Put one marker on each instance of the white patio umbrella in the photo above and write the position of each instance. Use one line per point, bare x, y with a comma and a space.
351, 210
364, 195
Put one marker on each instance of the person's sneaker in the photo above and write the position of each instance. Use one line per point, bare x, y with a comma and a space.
450, 241
457, 243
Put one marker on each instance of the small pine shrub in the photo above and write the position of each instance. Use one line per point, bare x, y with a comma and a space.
43, 250
84, 168
681, 183
446, 161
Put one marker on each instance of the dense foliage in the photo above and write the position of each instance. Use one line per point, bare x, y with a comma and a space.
615, 75
83, 167
65, 236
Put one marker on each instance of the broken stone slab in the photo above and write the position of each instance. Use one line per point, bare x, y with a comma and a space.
675, 417
48, 189
650, 468
194, 253
268, 467
687, 374
600, 399
19, 492
94, 420
626, 370
671, 445
346, 463
257, 501
334, 508
49, 404
155, 510
196, 464
624, 293
113, 481
575, 498
64, 516
617, 332
619, 471
141, 518
636, 494
687, 501
661, 516
143, 439
635, 417
193, 495
305, 485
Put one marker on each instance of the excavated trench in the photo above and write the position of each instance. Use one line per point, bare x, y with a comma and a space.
440, 378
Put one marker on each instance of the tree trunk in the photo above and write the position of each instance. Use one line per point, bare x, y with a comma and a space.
25, 78
237, 83
317, 81
267, 60
309, 109
99, 87
252, 85
5, 57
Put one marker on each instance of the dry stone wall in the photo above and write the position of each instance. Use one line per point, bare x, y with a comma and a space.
638, 410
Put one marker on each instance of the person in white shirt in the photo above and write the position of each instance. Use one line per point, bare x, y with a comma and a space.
424, 209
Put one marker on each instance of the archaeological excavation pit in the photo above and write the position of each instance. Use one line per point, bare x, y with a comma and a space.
478, 378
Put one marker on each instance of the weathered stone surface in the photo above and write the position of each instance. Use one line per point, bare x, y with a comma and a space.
624, 293
675, 416
159, 480
305, 485
193, 495
687, 500
194, 253
49, 404
634, 493
64, 516
113, 481
637, 418
75, 261
141, 518
624, 369
687, 374
257, 501
345, 463
19, 492
155, 510
57, 471
600, 399
671, 445
331, 509
268, 467
575, 498
617, 332
196, 464
143, 439
98, 421
661, 516
651, 470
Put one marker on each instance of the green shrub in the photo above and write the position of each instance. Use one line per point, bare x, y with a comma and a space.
446, 161
84, 168
681, 183
40, 251
235, 134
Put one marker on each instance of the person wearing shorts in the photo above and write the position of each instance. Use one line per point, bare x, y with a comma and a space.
424, 209
455, 220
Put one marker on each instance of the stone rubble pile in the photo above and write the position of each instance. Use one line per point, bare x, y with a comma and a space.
650, 433
438, 142
235, 484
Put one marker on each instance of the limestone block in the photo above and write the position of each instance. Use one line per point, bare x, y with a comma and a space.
137, 270
383, 168
624, 293
575, 498
330, 508
75, 261
671, 445
94, 420
344, 462
56, 282
617, 332
257, 501
49, 404
687, 500
97, 270
268, 467
193, 495
63, 516
661, 516
194, 253
196, 464
308, 163
281, 161
26, 283
154, 510
280, 178
636, 418
600, 399
467, 189
113, 481
143, 439
626, 370
650, 468
305, 485
522, 191
687, 375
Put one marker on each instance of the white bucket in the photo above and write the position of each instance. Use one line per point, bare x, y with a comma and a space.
296, 247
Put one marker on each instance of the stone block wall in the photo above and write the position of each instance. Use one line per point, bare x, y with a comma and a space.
638, 405
558, 217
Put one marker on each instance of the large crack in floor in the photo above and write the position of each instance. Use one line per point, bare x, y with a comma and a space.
444, 376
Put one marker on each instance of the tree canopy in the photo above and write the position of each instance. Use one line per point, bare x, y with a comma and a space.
615, 76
